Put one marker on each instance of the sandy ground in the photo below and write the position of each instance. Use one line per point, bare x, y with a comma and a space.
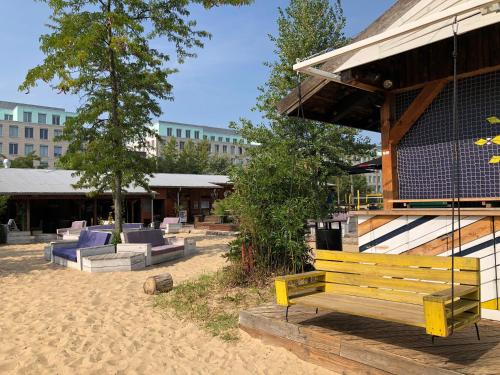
61, 321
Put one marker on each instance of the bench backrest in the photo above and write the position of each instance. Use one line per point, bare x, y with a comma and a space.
78, 224
401, 278
90, 239
152, 236
171, 220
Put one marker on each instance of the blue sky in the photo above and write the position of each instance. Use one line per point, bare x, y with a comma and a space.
217, 87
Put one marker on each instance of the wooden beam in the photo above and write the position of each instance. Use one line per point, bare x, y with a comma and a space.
416, 109
389, 175
473, 73
332, 77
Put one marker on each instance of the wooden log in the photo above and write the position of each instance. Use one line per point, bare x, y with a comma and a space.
158, 284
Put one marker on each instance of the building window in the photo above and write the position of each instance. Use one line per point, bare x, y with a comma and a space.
57, 151
13, 149
56, 120
181, 145
224, 149
57, 132
235, 140
220, 139
228, 140
44, 151
217, 149
209, 148
196, 134
232, 150
28, 149
212, 138
42, 118
13, 131
205, 137
169, 132
28, 132
8, 117
188, 133
44, 133
178, 133
27, 116
240, 150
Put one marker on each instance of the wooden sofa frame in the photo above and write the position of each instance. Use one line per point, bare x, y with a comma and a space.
80, 253
146, 249
408, 289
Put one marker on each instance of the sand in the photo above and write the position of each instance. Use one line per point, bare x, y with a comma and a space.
61, 321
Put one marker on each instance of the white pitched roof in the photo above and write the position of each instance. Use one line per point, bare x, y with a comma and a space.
428, 21
16, 181
187, 180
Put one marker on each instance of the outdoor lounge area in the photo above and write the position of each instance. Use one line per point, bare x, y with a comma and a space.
93, 252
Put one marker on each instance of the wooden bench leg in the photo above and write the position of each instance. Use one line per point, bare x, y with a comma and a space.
477, 331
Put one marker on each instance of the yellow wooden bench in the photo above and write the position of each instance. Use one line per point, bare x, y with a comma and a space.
408, 289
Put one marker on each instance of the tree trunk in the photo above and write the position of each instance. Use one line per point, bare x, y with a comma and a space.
118, 202
158, 284
115, 123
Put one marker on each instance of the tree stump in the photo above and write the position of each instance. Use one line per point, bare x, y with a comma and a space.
158, 284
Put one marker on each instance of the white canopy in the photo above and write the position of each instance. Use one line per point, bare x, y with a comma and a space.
427, 22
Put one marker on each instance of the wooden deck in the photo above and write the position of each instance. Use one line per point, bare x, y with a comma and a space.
353, 345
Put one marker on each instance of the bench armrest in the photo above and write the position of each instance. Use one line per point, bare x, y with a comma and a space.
283, 289
142, 248
445, 294
62, 243
438, 309
96, 250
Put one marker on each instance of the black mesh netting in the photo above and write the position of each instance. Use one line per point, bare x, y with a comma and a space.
424, 154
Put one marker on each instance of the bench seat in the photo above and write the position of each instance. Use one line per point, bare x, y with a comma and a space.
398, 312
68, 253
165, 249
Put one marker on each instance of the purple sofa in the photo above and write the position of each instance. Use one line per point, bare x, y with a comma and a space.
171, 224
151, 242
70, 253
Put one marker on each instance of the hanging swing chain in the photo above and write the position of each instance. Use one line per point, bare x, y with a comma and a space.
495, 261
455, 175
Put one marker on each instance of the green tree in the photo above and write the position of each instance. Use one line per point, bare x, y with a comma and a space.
167, 162
101, 50
219, 164
286, 180
27, 161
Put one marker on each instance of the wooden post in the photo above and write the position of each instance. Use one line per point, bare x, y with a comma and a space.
28, 215
95, 212
389, 176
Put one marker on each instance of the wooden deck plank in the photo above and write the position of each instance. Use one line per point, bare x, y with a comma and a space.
353, 345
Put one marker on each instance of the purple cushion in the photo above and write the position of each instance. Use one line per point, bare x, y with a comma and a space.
165, 249
68, 253
91, 239
152, 236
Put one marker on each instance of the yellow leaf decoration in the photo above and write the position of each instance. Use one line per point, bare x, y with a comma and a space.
495, 159
481, 142
496, 140
493, 120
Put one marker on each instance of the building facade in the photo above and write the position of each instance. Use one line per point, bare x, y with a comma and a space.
373, 179
27, 128
221, 141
